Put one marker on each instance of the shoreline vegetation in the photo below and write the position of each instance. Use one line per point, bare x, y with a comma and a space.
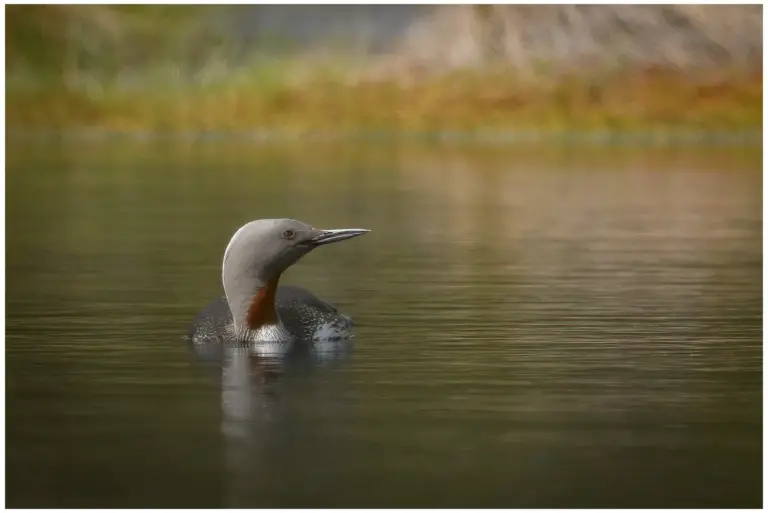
462, 68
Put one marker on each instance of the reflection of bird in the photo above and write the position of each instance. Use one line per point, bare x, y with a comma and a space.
258, 313
258, 412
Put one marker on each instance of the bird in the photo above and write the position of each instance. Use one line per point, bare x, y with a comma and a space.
256, 311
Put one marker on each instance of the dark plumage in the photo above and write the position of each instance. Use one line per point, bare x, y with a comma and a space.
299, 309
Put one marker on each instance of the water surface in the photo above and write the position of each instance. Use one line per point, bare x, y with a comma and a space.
545, 327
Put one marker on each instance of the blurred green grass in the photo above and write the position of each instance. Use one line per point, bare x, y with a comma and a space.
129, 68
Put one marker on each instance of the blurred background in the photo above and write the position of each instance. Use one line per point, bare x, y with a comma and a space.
559, 303
384, 66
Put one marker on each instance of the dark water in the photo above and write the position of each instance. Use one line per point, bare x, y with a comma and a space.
540, 327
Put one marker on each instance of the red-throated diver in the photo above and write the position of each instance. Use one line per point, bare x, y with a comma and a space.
255, 310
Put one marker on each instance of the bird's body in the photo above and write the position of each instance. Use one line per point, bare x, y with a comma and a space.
256, 311
304, 316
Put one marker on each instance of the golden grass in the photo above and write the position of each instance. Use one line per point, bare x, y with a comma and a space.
634, 100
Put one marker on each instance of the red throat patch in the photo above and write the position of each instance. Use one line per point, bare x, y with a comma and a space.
262, 309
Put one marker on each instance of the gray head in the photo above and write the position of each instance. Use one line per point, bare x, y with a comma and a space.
258, 254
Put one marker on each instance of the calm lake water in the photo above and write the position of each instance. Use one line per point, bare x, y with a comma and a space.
539, 327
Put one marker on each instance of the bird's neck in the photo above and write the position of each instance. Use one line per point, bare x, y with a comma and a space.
255, 313
262, 310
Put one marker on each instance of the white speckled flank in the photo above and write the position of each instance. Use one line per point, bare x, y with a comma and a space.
329, 331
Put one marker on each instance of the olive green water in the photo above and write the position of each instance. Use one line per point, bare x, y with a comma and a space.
537, 327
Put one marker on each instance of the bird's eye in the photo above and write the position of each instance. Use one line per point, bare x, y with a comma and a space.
289, 234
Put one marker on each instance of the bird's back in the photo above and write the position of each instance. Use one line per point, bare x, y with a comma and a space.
308, 317
304, 315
